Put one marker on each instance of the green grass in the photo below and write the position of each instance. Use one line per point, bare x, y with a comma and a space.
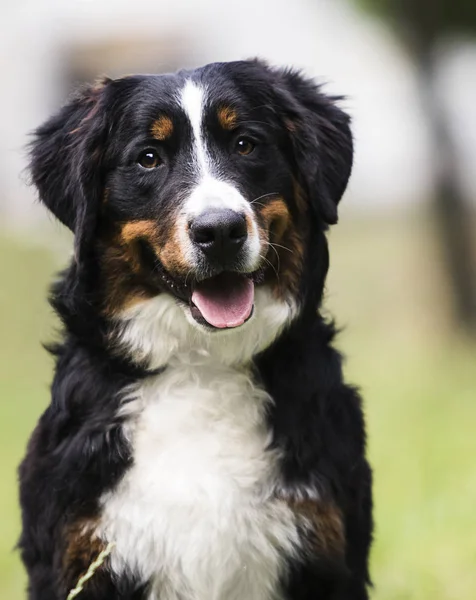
421, 411
419, 385
25, 371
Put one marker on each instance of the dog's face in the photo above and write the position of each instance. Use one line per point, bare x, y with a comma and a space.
205, 186
201, 194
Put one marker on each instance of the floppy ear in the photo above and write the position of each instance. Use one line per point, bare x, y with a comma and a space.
65, 162
321, 138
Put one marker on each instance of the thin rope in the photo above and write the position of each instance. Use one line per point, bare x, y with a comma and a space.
93, 567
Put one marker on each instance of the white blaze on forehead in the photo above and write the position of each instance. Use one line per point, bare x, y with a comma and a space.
192, 100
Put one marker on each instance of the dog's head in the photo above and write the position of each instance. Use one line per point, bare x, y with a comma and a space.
206, 190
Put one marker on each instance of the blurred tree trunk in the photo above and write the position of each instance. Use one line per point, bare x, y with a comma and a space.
422, 24
452, 215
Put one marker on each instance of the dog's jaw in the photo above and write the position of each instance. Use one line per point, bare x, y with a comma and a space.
154, 331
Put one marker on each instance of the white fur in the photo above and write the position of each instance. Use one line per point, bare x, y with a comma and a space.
158, 329
214, 193
196, 513
193, 102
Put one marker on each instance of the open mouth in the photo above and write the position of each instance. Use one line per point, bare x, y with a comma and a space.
224, 301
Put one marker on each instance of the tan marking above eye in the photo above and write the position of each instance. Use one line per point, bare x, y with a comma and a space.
137, 229
227, 117
162, 128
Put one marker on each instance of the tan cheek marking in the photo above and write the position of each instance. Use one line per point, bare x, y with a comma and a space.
121, 269
285, 250
291, 259
276, 217
164, 239
126, 283
300, 199
172, 253
132, 232
227, 117
135, 230
162, 128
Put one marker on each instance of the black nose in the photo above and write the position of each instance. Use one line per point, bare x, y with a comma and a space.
219, 233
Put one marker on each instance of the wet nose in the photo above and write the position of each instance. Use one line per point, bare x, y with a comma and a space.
220, 233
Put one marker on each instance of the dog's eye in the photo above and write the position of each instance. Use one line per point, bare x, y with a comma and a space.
244, 146
149, 159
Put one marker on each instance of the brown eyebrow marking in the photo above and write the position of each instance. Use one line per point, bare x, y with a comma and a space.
162, 128
227, 117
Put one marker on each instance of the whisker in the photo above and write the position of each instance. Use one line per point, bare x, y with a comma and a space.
276, 252
271, 265
272, 244
264, 196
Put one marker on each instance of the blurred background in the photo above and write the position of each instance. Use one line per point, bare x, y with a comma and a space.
403, 258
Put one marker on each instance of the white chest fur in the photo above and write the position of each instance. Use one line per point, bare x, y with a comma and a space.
195, 513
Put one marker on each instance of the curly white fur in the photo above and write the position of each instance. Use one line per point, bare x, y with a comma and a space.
197, 514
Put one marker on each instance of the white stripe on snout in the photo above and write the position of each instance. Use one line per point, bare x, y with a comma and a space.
211, 191
214, 193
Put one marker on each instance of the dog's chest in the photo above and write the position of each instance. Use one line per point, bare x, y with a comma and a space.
195, 514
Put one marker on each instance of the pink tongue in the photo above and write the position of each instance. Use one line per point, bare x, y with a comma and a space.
225, 300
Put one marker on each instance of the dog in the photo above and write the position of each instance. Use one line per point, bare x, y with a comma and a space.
201, 443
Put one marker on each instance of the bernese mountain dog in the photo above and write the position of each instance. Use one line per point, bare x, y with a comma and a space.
200, 443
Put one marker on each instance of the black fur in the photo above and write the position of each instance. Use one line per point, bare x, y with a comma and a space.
78, 450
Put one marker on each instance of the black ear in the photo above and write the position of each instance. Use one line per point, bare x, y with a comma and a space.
65, 158
321, 138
